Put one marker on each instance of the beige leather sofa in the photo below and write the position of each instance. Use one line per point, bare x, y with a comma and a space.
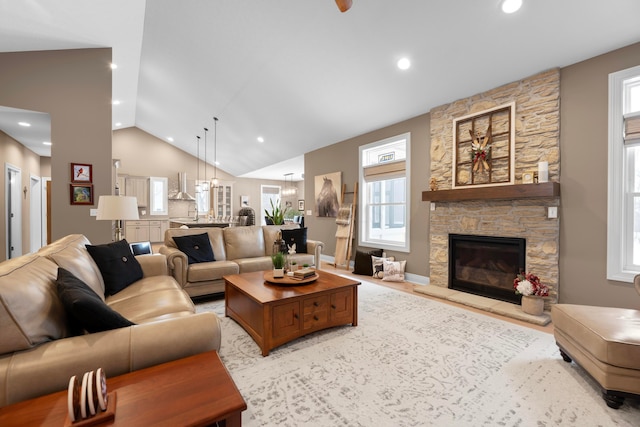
605, 342
38, 355
236, 250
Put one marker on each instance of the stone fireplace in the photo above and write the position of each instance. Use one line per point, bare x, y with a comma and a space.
507, 213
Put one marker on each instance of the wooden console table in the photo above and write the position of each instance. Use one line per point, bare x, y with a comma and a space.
274, 315
194, 391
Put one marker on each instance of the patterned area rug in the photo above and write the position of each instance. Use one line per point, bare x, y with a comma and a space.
414, 362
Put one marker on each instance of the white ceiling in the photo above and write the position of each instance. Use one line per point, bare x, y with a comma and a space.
300, 73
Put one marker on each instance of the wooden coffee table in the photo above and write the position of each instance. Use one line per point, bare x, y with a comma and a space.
194, 391
274, 315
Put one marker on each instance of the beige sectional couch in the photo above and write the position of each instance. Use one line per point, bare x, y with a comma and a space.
39, 353
236, 250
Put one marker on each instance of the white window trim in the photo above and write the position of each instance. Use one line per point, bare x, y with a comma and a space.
616, 217
362, 196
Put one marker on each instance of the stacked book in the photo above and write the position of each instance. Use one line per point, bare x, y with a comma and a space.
304, 273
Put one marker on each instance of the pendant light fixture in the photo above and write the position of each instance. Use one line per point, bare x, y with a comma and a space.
205, 153
198, 189
214, 181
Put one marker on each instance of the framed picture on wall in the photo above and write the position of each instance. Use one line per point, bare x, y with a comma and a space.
81, 172
301, 205
81, 194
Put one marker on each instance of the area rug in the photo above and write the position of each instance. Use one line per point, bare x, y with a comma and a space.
412, 361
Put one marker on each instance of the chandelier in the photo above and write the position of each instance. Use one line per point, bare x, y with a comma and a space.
289, 190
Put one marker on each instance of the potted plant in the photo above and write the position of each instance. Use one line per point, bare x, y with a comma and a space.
277, 214
278, 260
532, 290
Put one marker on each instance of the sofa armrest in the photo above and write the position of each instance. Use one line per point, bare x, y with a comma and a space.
177, 263
315, 247
153, 265
47, 368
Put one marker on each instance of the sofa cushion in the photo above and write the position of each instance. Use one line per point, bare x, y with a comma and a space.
70, 253
207, 271
142, 304
362, 264
30, 311
85, 307
297, 236
248, 265
117, 264
244, 242
197, 247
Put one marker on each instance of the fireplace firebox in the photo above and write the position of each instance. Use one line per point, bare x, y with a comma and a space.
486, 265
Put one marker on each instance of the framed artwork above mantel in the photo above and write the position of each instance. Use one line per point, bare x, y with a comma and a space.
484, 148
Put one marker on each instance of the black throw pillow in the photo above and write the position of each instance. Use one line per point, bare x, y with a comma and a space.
362, 264
297, 236
117, 264
197, 247
86, 309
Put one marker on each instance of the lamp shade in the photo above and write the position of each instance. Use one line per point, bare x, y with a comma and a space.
117, 208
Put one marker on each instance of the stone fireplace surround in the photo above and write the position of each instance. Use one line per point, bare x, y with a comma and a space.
537, 138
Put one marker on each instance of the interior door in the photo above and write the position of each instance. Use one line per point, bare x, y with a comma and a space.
14, 212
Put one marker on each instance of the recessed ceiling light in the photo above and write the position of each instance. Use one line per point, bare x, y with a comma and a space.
114, 66
260, 139
510, 6
170, 139
118, 124
404, 63
46, 143
25, 124
115, 102
216, 163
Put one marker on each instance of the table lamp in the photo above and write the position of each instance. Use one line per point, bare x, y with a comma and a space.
117, 208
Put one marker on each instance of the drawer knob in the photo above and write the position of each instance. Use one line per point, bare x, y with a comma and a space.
295, 315
315, 303
333, 306
315, 317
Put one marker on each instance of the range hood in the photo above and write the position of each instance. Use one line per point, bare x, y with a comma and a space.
182, 185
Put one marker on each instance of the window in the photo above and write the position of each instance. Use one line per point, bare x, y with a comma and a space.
623, 228
384, 198
158, 189
202, 196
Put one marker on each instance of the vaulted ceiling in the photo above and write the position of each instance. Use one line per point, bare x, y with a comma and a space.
301, 74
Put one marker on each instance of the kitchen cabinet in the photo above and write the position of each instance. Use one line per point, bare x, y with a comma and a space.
222, 199
145, 230
138, 187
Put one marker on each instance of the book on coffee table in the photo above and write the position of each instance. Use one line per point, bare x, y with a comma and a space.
304, 273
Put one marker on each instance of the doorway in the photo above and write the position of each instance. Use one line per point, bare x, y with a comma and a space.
13, 203
268, 194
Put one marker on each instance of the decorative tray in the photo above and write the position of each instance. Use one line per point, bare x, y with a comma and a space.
288, 280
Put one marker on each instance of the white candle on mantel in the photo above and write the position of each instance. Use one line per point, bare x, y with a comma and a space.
543, 171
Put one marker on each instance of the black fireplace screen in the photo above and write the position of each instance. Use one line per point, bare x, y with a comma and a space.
485, 265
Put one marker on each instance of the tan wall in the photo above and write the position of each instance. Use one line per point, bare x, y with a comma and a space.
142, 154
343, 157
74, 87
583, 202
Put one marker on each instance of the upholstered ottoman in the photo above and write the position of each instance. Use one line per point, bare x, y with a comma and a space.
605, 342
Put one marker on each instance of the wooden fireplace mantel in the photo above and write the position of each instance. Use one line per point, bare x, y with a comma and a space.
518, 191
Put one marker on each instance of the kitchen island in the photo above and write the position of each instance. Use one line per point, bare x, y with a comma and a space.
196, 223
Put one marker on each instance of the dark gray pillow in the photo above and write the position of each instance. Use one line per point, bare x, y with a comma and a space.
297, 236
197, 247
85, 308
362, 264
117, 264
